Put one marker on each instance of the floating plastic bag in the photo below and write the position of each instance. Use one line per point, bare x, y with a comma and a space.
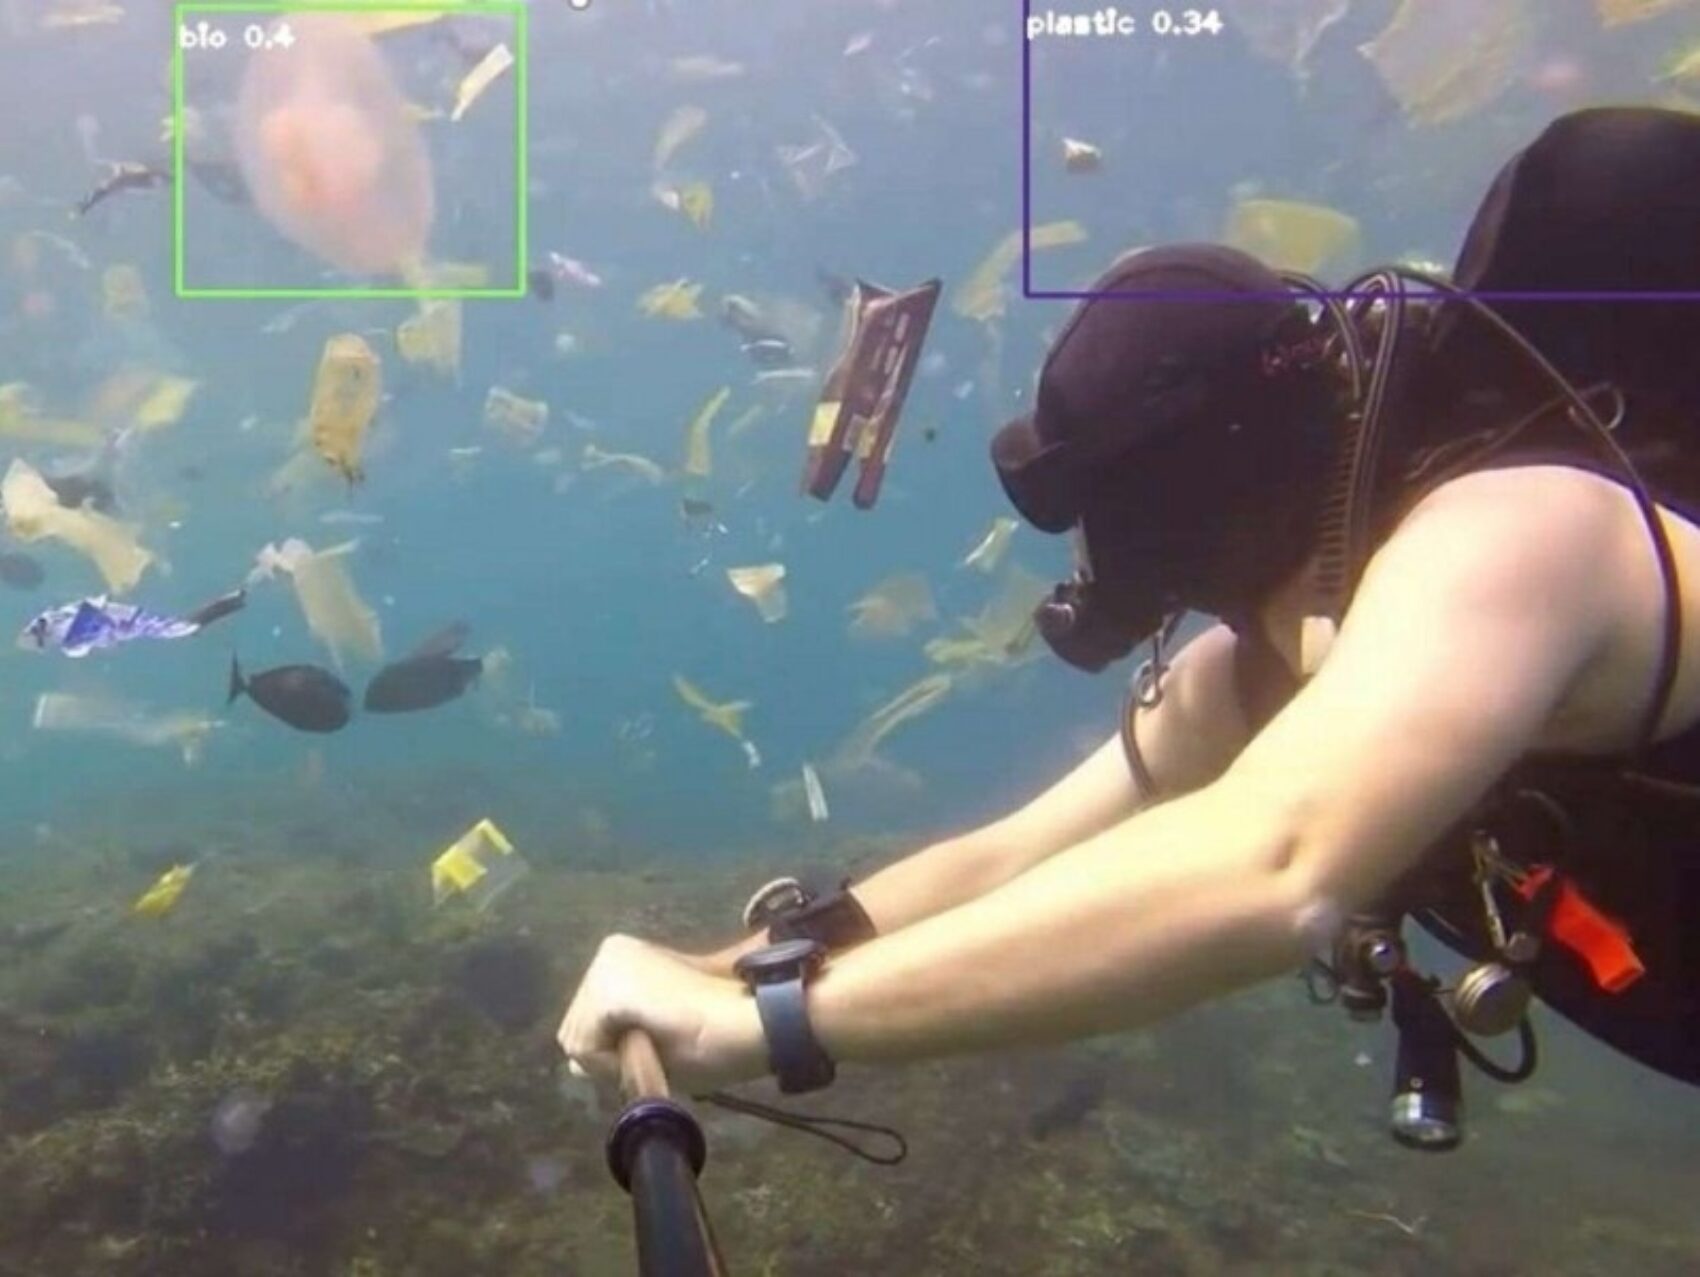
478, 867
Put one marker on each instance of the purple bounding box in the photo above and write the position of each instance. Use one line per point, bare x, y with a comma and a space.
1476, 147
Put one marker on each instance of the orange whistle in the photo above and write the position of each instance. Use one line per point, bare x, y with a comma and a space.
1601, 943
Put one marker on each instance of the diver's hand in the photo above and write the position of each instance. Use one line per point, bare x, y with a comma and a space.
705, 1027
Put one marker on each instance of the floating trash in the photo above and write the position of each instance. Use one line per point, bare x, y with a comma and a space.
520, 421
480, 78
678, 128
982, 295
161, 898
432, 337
893, 607
346, 390
1447, 59
675, 300
815, 794
698, 454
812, 164
765, 587
479, 867
1293, 236
33, 512
986, 556
1081, 157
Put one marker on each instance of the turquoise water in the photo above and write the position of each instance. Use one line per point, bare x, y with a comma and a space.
599, 591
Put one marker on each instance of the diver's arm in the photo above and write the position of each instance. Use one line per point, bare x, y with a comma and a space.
1448, 668
1187, 739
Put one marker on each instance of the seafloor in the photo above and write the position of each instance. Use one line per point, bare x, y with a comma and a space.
406, 1113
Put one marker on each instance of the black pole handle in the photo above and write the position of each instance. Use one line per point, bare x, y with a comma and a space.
656, 1150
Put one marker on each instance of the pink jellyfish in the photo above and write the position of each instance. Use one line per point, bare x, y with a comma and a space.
329, 151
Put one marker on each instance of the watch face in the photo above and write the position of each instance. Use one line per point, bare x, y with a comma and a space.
787, 958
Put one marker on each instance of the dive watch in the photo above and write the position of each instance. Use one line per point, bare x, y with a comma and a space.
778, 977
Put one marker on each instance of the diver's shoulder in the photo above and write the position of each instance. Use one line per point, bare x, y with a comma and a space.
1523, 503
1551, 536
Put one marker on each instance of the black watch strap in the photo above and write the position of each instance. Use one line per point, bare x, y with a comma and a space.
793, 1052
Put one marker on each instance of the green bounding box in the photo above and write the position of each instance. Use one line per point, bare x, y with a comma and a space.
231, 30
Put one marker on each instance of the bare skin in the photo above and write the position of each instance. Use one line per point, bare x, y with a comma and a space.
1512, 610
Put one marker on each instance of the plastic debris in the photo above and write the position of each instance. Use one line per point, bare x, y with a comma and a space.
986, 556
675, 300
161, 898
1293, 236
727, 717
432, 337
812, 164
699, 460
21, 417
862, 399
1081, 157
1447, 59
81, 13
123, 294
764, 586
345, 397
99, 716
520, 421
480, 78
478, 867
702, 68
333, 609
1286, 31
910, 703
595, 458
982, 294
33, 512
1617, 13
693, 201
816, 795
166, 402
678, 128
893, 607
328, 152
1002, 633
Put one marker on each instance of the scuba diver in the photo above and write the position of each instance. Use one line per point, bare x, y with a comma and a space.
1452, 547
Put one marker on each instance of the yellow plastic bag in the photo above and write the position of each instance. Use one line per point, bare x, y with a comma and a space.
161, 898
479, 867
432, 337
345, 399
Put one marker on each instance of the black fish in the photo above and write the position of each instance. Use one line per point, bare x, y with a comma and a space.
20, 571
541, 283
695, 508
306, 697
79, 490
122, 176
429, 676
